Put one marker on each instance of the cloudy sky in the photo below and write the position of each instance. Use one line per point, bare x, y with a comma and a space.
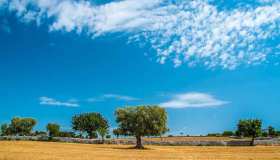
208, 62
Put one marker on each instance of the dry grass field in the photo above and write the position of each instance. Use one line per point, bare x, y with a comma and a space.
180, 139
23, 150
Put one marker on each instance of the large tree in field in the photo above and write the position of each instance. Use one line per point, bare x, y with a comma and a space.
53, 129
22, 126
141, 121
89, 123
250, 128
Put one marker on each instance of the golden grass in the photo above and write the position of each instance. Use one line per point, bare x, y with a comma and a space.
180, 139
20, 150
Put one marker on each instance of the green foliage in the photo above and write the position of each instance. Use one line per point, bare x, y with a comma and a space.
264, 134
93, 134
108, 136
237, 133
141, 121
117, 132
67, 134
250, 128
271, 131
89, 123
38, 133
102, 131
5, 130
214, 135
53, 129
228, 133
278, 133
22, 126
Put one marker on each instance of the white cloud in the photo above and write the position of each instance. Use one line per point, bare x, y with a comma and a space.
120, 97
53, 102
193, 100
193, 32
112, 96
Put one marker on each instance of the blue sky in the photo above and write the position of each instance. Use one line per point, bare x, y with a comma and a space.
209, 63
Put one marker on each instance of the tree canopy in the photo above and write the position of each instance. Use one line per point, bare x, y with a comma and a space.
21, 126
89, 123
141, 121
249, 128
5, 130
53, 129
102, 131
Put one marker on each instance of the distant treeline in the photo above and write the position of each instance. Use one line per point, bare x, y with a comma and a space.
268, 132
135, 121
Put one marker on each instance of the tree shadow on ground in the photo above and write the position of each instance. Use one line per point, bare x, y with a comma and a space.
129, 148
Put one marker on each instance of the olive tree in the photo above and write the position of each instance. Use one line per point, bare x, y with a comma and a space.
22, 126
141, 121
89, 123
249, 128
53, 129
102, 131
5, 129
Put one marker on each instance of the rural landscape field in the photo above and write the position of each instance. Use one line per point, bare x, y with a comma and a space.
68, 151
139, 79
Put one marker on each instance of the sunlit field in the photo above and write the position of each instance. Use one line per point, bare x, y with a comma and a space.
27, 150
191, 138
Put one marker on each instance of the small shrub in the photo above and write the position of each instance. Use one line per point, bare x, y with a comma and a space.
214, 135
67, 134
228, 133
264, 134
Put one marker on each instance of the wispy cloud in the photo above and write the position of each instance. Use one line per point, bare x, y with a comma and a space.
193, 32
112, 96
53, 102
193, 100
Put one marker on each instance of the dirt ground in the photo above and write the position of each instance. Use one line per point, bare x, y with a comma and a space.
27, 150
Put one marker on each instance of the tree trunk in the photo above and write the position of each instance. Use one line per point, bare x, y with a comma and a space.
252, 141
103, 140
90, 135
139, 143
